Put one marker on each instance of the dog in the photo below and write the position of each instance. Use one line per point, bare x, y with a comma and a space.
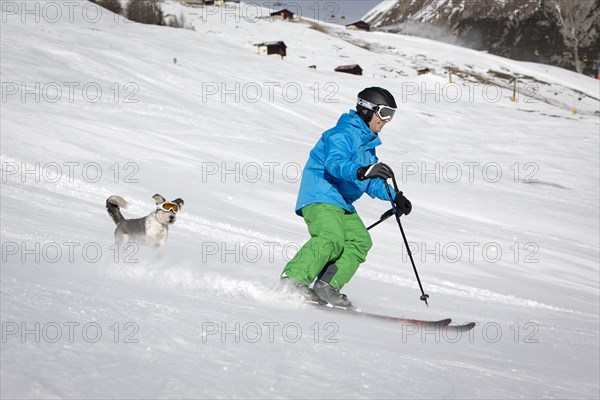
151, 230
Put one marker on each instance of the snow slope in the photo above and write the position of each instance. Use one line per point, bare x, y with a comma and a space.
505, 225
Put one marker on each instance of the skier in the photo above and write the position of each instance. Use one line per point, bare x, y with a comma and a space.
340, 168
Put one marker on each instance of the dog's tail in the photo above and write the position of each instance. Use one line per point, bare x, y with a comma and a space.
113, 206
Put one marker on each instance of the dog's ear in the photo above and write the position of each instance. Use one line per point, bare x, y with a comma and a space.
179, 202
159, 199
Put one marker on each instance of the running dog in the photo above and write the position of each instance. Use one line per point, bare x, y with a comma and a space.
151, 230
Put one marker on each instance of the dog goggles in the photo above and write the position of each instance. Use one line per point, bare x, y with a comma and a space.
174, 207
383, 112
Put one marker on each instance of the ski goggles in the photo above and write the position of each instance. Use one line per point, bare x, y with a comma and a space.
174, 207
383, 112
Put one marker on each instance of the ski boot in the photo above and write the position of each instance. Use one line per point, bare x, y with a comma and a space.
333, 296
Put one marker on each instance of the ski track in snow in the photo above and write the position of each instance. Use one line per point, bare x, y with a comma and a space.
472, 293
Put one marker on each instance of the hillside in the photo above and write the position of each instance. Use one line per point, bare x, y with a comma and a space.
505, 224
563, 33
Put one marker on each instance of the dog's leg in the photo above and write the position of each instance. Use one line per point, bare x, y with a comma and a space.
121, 238
163, 240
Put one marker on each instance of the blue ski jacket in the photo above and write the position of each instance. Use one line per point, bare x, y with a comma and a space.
330, 172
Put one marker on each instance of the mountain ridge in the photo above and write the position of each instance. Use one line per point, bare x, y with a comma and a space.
555, 32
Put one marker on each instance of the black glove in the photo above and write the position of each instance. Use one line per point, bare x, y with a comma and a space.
379, 170
402, 203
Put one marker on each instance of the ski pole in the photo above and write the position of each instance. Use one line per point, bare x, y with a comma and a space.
384, 216
424, 296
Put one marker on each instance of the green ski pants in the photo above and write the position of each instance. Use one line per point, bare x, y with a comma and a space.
337, 236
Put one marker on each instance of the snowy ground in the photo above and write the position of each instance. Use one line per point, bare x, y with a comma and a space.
505, 225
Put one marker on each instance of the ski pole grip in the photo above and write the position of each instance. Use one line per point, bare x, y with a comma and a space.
387, 214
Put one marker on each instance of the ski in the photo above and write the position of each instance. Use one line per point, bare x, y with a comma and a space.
443, 323
461, 328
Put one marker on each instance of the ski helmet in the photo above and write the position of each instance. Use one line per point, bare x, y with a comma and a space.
376, 96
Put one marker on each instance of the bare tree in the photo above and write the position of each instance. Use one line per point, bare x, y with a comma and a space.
111, 5
176, 22
576, 24
145, 12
